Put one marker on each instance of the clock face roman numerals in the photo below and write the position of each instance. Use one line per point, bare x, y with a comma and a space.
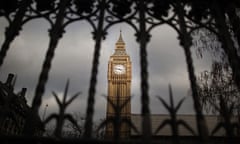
119, 69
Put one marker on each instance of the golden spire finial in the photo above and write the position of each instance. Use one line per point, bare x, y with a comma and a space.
120, 39
120, 45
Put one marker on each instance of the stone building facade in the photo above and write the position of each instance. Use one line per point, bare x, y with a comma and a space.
119, 90
14, 110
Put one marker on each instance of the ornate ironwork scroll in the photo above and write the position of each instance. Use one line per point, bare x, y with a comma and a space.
98, 35
19, 9
184, 16
60, 118
173, 122
185, 41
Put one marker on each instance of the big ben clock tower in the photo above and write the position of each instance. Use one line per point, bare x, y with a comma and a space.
119, 90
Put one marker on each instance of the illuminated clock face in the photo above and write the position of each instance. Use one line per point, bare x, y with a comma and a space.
119, 69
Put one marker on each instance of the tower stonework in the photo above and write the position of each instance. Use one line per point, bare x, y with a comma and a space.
119, 90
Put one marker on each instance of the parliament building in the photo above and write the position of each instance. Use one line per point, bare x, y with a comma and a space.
119, 104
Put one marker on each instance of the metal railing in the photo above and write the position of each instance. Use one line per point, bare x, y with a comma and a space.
184, 16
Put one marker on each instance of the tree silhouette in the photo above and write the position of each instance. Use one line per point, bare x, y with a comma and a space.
218, 84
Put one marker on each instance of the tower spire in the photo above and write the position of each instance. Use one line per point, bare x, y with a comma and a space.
119, 90
120, 46
120, 39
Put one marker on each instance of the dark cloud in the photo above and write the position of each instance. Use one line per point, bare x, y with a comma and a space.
73, 60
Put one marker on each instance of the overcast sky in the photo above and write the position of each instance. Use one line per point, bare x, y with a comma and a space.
73, 59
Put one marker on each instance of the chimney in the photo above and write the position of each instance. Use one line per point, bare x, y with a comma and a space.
23, 92
9, 79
